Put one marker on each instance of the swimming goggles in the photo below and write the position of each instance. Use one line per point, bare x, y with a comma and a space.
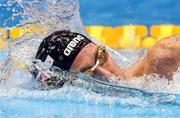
101, 59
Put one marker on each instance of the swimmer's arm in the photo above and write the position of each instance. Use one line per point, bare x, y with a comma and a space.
137, 71
110, 68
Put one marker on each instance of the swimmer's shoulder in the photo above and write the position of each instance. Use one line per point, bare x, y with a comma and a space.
169, 42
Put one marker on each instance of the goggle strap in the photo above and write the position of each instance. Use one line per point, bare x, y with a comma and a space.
96, 65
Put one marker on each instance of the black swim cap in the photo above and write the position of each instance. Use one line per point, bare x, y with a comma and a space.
62, 47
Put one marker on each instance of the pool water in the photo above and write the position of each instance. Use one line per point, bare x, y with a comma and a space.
73, 102
20, 99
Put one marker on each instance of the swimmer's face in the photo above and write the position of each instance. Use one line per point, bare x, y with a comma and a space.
86, 59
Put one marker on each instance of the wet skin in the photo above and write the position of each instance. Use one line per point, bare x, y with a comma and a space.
163, 59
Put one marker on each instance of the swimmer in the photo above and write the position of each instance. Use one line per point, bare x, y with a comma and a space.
76, 53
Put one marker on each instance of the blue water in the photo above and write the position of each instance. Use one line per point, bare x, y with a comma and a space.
115, 12
77, 102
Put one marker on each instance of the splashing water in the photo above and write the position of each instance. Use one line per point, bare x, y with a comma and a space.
54, 14
64, 14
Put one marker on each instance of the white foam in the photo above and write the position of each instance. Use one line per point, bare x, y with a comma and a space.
155, 84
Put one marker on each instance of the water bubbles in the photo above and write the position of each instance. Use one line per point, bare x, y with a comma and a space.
8, 9
53, 14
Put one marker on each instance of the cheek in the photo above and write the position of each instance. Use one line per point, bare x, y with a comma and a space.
83, 61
